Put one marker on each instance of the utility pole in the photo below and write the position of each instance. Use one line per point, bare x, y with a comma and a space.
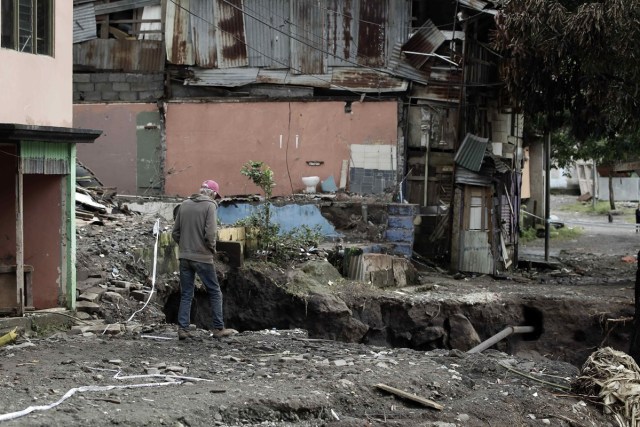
547, 191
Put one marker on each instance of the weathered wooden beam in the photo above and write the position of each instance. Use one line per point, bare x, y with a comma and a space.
410, 396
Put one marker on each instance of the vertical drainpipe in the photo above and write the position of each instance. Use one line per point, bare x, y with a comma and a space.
71, 229
20, 288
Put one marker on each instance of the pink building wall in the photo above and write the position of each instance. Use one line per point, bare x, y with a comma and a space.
113, 156
214, 140
43, 227
37, 89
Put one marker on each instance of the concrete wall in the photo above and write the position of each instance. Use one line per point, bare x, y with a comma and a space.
117, 87
43, 228
214, 140
114, 155
36, 89
624, 189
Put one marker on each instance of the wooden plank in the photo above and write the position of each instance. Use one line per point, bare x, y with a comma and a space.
410, 396
20, 235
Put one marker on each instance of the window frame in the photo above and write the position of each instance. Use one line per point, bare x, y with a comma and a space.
37, 43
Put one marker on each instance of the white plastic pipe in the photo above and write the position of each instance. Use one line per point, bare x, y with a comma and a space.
509, 330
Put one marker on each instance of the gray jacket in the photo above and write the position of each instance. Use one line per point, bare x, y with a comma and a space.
195, 228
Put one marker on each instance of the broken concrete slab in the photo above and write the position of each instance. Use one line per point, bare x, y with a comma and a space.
88, 307
89, 296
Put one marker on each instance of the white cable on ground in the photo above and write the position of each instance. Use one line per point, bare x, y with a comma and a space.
30, 409
156, 232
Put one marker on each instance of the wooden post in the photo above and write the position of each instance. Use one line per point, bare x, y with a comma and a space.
634, 348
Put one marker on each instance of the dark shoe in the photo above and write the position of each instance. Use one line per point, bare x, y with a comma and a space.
184, 334
224, 332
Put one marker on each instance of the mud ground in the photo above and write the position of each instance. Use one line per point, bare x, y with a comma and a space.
273, 373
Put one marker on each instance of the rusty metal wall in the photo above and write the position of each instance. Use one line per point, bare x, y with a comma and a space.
342, 24
122, 55
268, 47
178, 32
372, 33
204, 33
306, 50
231, 44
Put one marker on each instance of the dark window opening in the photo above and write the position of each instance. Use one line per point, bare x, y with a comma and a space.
27, 26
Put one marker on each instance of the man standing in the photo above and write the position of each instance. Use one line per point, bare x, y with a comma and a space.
194, 230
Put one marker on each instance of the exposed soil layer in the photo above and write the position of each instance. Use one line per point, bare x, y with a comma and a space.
325, 372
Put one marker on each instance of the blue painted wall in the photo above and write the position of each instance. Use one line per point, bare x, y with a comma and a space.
288, 216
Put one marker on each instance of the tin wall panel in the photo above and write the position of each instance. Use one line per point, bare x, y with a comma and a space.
341, 26
372, 33
203, 33
178, 32
45, 158
230, 37
476, 252
124, 55
399, 24
268, 47
306, 51
84, 22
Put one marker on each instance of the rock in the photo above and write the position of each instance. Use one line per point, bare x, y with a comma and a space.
139, 295
88, 307
122, 291
178, 369
83, 316
322, 271
329, 317
428, 338
89, 296
462, 335
113, 297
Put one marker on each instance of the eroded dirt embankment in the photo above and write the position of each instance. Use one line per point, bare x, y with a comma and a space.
442, 313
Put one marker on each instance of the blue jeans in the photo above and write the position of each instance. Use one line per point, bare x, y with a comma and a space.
206, 273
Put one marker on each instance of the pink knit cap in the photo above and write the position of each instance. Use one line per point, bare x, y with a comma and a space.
212, 185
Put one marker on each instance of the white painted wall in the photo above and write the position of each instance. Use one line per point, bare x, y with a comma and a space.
37, 89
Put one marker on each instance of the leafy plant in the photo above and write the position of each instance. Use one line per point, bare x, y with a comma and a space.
273, 245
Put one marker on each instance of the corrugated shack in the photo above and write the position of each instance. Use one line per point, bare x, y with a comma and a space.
374, 95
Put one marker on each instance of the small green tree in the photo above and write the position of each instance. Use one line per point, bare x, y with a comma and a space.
262, 176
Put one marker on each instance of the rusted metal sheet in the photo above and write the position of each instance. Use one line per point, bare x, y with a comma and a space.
119, 6
476, 252
306, 48
84, 22
437, 93
231, 44
399, 67
268, 47
282, 77
424, 42
340, 28
366, 80
400, 21
372, 33
178, 32
122, 55
225, 77
471, 152
203, 33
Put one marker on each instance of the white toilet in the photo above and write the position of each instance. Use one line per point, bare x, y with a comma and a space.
310, 182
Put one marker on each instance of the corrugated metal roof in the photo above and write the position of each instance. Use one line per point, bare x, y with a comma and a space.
285, 77
478, 5
122, 55
119, 6
224, 77
426, 40
399, 67
45, 158
471, 152
465, 176
230, 38
337, 78
84, 23
366, 80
